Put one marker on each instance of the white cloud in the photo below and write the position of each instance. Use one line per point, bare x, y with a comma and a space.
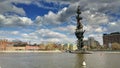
113, 26
25, 35
29, 36
94, 12
54, 18
53, 40
26, 20
99, 29
7, 6
46, 33
5, 32
95, 18
63, 1
39, 20
15, 32
113, 23
69, 29
64, 15
14, 21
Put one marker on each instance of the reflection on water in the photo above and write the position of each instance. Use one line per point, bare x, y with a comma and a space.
59, 60
79, 61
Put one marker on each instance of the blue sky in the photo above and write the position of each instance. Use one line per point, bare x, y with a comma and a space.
41, 21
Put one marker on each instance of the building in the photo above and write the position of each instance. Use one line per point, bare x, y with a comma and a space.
31, 47
72, 47
91, 42
108, 39
3, 44
69, 46
6, 45
66, 46
12, 48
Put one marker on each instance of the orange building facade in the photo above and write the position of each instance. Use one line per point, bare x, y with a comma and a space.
3, 44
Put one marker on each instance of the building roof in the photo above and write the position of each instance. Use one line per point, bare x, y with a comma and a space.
113, 33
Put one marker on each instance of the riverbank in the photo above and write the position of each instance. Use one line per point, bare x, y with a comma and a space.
95, 51
58, 51
104, 51
50, 51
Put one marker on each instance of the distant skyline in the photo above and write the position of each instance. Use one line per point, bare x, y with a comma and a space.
55, 20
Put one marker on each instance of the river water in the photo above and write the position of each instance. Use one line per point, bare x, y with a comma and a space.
59, 60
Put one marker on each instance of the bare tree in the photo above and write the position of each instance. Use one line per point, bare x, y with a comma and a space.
115, 46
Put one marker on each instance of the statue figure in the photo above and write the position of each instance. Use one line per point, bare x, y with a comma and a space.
79, 30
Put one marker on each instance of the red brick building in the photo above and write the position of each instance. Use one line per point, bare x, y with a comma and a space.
3, 44
111, 38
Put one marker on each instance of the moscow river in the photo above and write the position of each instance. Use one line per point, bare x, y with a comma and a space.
60, 60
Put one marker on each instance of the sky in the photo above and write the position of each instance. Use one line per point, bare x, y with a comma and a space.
40, 21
